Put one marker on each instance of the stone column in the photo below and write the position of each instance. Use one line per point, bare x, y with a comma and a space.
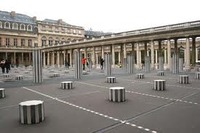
22, 58
78, 64
44, 59
108, 64
37, 66
131, 61
124, 60
169, 54
175, 58
180, 64
102, 52
187, 54
146, 59
165, 56
71, 57
53, 59
48, 59
14, 58
138, 56
152, 55
64, 57
113, 55
193, 51
93, 58
161, 62
58, 59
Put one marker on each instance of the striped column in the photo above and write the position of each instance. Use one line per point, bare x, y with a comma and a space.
159, 85
31, 112
160, 73
6, 75
19, 77
37, 66
180, 64
130, 59
78, 64
108, 64
161, 64
111, 80
2, 92
183, 79
197, 75
140, 76
117, 94
66, 85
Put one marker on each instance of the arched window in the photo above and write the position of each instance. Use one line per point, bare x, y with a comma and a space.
15, 26
29, 28
44, 39
57, 41
50, 41
63, 41
22, 27
0, 24
7, 25
29, 42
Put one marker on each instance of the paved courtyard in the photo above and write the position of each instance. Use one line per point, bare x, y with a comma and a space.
86, 108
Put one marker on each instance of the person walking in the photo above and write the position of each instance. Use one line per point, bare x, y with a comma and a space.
101, 63
2, 64
7, 66
84, 62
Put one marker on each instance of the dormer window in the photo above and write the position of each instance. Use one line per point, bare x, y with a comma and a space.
7, 25
15, 26
22, 27
29, 28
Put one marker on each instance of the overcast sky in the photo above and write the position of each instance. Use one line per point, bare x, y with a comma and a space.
109, 15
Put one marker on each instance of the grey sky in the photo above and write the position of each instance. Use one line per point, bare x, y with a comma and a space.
109, 15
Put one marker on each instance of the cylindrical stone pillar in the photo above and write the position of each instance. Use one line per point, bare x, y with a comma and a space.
197, 75
159, 85
66, 85
78, 64
108, 64
183, 79
131, 63
111, 80
37, 66
140, 76
161, 64
19, 77
180, 64
147, 64
31, 112
160, 73
117, 94
2, 92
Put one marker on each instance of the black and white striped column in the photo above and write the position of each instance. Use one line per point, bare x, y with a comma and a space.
37, 66
183, 79
6, 75
130, 58
110, 79
147, 64
66, 85
108, 60
78, 64
159, 85
2, 92
117, 94
180, 64
175, 64
197, 75
160, 73
31, 112
140, 76
19, 77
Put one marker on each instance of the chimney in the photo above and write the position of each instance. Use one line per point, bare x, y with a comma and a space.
34, 18
13, 14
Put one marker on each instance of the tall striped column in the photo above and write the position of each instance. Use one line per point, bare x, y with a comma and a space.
130, 59
175, 58
108, 64
147, 64
78, 65
37, 66
161, 64
180, 64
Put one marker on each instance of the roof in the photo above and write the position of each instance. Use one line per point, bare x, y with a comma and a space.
19, 18
95, 33
51, 21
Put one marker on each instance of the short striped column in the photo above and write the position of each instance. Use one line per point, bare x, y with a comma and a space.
6, 75
111, 80
140, 76
159, 85
2, 92
19, 77
160, 73
197, 75
31, 112
56, 75
117, 94
183, 79
66, 85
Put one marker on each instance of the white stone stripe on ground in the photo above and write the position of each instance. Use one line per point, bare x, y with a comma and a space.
91, 111
160, 97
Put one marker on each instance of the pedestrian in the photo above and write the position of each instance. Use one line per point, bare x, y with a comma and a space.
7, 65
84, 62
101, 63
2, 64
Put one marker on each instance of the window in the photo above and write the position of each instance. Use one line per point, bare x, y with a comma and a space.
22, 27
22, 42
29, 28
50, 41
7, 42
0, 24
15, 26
44, 41
63, 41
15, 41
7, 25
29, 42
56, 41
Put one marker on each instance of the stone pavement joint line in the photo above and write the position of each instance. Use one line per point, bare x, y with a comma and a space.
91, 111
